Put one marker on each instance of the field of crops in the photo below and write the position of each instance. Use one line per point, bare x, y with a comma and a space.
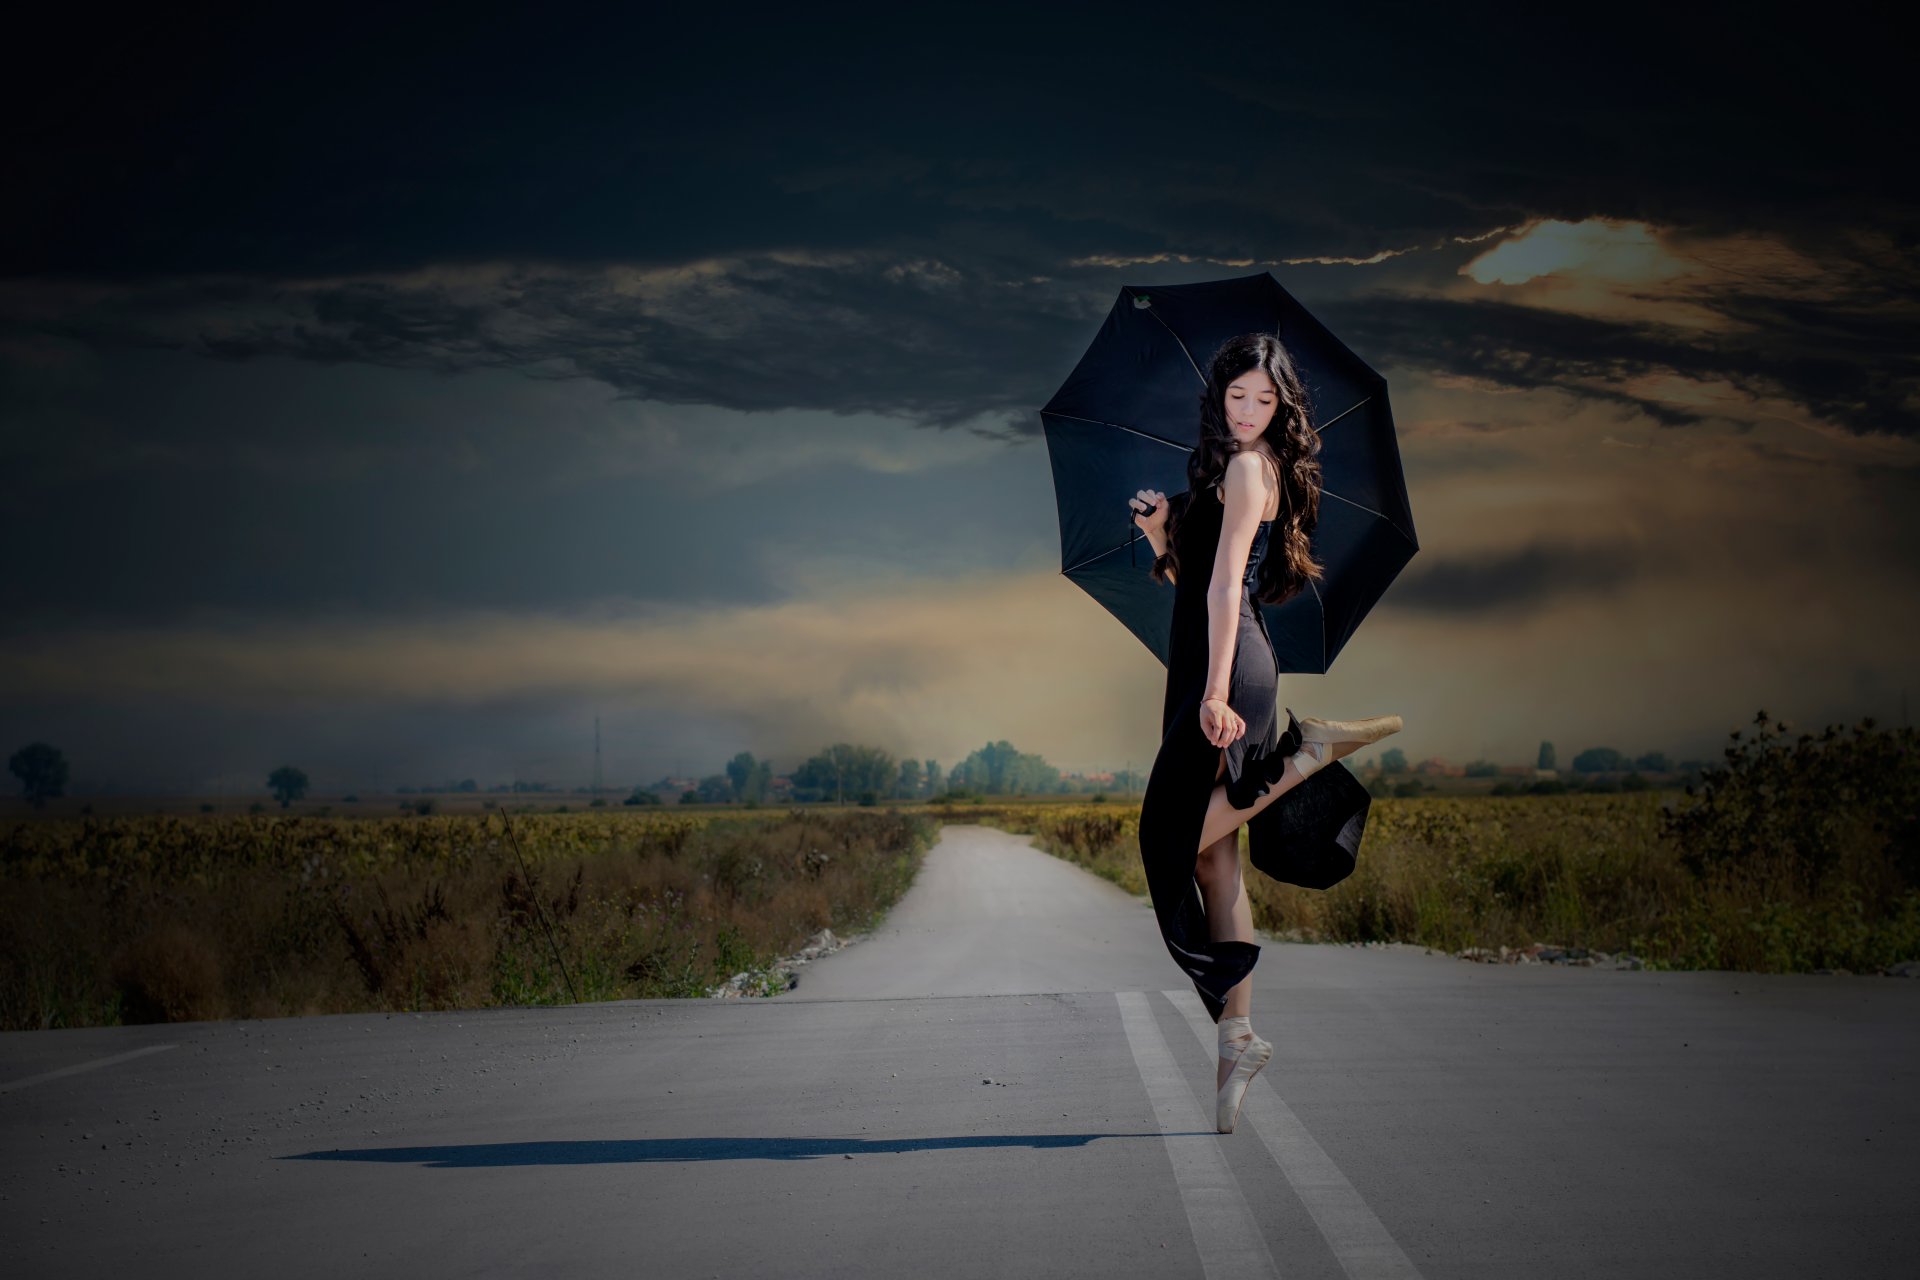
136, 919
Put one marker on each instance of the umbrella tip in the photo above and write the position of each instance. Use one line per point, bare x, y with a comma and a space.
1142, 300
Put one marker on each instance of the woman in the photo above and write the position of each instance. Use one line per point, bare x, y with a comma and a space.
1239, 535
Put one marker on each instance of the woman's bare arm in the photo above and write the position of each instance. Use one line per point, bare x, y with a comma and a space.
1245, 492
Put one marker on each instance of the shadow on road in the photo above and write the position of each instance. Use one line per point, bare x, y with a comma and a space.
670, 1150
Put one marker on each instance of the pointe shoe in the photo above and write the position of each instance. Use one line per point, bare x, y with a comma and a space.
1248, 1053
1319, 737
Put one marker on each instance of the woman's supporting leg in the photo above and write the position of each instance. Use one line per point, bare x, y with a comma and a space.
1229, 918
1171, 814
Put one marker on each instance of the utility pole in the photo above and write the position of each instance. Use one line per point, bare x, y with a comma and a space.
596, 755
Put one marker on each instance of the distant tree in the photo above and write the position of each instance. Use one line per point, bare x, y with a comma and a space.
690, 796
751, 778
1598, 760
930, 775
715, 788
1546, 760
818, 777
909, 786
999, 769
287, 784
1653, 762
468, 784
1482, 769
1393, 760
842, 771
42, 770
642, 796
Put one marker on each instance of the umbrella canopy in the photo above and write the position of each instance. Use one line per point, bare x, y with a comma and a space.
1128, 417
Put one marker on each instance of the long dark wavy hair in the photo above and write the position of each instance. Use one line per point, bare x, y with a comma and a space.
1289, 564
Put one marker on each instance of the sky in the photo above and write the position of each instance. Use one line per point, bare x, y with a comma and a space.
393, 398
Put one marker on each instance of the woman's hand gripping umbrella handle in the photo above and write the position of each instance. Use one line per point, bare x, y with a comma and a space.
1148, 512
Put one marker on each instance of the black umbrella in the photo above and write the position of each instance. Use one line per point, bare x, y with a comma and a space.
1128, 416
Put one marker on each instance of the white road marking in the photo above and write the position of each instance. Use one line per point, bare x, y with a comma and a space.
1225, 1233
77, 1067
1365, 1249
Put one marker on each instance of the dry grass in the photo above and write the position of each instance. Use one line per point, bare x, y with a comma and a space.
123, 925
1792, 858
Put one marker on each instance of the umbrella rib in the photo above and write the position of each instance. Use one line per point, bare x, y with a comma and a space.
1144, 435
1323, 624
1389, 521
1183, 346
1328, 493
1343, 413
1109, 551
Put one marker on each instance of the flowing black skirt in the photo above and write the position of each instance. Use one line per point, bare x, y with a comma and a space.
1310, 836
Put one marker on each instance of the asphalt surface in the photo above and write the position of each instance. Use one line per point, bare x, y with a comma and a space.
1008, 1078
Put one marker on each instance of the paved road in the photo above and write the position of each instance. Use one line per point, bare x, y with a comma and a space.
1006, 1079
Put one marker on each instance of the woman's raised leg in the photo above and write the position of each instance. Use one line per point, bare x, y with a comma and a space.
1224, 820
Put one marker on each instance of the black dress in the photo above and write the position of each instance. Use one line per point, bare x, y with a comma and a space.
1317, 822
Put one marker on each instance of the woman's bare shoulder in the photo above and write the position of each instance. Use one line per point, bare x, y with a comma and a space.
1244, 477
1246, 462
1244, 474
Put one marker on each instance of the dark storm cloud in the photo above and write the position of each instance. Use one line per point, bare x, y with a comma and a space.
281, 143
850, 333
1505, 344
945, 341
246, 167
853, 333
1844, 365
1496, 582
